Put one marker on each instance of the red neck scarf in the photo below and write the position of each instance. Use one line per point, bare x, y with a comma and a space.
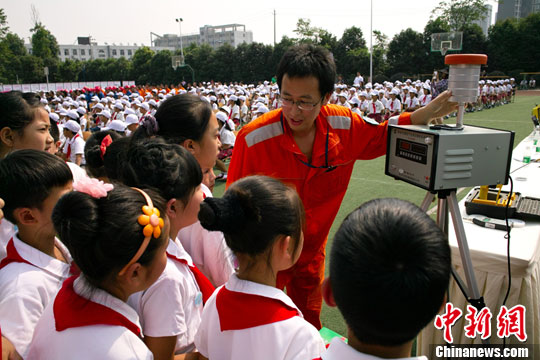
68, 154
238, 310
72, 310
12, 256
204, 284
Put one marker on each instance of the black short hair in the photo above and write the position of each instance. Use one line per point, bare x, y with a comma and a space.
103, 234
169, 168
389, 270
54, 131
27, 178
178, 118
93, 155
308, 60
253, 212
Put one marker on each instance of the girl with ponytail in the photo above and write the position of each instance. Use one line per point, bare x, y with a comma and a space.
248, 317
118, 239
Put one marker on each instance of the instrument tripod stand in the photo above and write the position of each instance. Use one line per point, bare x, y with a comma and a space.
447, 203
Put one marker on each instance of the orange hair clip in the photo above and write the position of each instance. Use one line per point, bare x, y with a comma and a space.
153, 224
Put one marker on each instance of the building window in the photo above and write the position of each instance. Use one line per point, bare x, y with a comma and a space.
66, 52
101, 55
83, 52
129, 52
114, 52
122, 52
74, 51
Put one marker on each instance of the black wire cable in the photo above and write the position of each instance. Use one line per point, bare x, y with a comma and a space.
507, 237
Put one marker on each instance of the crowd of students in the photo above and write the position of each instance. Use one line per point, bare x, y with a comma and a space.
113, 247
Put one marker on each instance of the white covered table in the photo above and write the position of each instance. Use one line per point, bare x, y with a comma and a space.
488, 249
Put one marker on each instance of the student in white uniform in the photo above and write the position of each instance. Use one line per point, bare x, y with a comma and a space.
31, 182
389, 272
170, 309
24, 124
74, 146
248, 317
189, 121
118, 256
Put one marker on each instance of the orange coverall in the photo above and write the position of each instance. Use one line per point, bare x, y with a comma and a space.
266, 147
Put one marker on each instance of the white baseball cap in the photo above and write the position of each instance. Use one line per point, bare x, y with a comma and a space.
221, 116
116, 125
132, 119
72, 126
105, 113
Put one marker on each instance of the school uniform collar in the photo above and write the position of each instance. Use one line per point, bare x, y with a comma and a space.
80, 304
176, 250
250, 287
338, 350
41, 260
251, 307
206, 191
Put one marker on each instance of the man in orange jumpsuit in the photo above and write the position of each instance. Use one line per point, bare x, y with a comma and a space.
313, 146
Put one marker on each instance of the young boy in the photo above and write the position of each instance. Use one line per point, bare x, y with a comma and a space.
389, 272
31, 182
74, 146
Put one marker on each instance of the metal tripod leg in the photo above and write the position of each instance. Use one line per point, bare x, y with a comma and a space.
473, 296
447, 201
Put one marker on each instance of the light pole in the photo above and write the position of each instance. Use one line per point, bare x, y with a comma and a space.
179, 21
371, 45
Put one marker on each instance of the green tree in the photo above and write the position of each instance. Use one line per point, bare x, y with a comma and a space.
15, 44
4, 28
351, 53
474, 40
223, 62
380, 48
161, 70
502, 45
328, 41
141, 64
69, 70
528, 46
406, 52
44, 44
32, 69
460, 13
306, 32
278, 52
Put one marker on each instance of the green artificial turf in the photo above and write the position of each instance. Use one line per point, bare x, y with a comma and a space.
368, 180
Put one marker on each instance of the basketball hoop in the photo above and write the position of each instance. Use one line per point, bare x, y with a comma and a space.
444, 42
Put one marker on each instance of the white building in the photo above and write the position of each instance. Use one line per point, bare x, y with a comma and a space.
485, 23
215, 36
94, 51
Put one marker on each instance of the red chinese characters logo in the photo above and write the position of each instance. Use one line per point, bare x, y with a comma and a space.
512, 322
509, 322
479, 322
447, 320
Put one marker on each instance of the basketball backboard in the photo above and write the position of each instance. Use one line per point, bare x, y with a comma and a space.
177, 61
449, 41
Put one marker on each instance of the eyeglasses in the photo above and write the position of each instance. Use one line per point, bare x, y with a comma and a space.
302, 105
